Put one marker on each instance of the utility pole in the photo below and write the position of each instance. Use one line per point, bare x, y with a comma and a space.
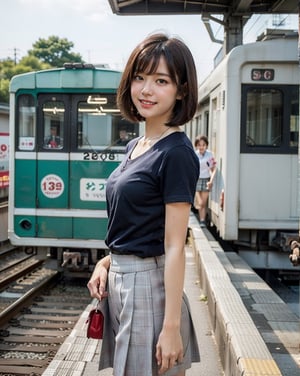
15, 55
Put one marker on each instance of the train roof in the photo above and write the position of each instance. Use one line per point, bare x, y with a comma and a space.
280, 47
266, 50
84, 76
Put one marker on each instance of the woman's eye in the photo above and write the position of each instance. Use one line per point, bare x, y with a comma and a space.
161, 81
138, 77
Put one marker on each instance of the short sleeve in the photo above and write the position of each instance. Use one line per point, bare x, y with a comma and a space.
179, 174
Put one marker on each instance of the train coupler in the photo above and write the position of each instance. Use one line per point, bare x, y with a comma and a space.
72, 259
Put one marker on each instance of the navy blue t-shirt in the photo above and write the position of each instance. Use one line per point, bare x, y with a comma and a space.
139, 188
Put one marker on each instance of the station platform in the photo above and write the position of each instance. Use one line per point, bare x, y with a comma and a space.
243, 327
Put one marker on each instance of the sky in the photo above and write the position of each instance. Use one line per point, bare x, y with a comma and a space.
102, 37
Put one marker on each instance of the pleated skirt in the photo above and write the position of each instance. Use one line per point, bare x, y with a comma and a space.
134, 318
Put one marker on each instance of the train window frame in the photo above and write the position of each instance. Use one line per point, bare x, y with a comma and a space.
25, 142
117, 123
285, 146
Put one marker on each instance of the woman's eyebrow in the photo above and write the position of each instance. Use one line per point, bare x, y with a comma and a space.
154, 74
161, 74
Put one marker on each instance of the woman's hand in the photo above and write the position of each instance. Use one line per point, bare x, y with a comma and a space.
169, 349
97, 282
209, 185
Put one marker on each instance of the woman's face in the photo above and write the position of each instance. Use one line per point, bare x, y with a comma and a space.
202, 146
154, 95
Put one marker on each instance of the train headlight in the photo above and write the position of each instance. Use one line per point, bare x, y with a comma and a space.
26, 224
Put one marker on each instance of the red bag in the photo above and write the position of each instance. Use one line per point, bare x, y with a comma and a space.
95, 323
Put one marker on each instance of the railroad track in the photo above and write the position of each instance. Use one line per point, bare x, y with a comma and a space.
30, 340
38, 310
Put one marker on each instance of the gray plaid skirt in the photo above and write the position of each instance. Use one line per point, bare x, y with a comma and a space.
134, 316
202, 185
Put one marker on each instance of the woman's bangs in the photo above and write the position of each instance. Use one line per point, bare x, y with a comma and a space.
148, 60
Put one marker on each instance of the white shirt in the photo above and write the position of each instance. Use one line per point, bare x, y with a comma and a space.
207, 162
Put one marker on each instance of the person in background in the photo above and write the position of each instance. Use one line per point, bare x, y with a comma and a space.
149, 197
124, 139
206, 177
53, 141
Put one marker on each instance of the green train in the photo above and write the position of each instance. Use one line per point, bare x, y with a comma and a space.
66, 137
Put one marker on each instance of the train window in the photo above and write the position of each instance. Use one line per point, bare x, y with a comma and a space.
53, 120
100, 125
26, 116
270, 119
294, 118
264, 117
93, 125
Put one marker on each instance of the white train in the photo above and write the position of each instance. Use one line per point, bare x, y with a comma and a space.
249, 109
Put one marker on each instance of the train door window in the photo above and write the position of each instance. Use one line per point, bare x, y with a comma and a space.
26, 117
53, 120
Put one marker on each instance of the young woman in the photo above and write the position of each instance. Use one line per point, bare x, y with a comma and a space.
206, 178
149, 330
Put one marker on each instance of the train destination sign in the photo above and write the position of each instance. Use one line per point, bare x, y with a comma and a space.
262, 74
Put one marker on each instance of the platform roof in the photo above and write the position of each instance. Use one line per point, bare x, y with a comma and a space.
225, 7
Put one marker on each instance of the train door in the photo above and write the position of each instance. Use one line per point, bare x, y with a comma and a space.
53, 191
270, 121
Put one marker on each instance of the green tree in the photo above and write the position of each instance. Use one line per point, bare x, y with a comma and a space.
45, 54
8, 69
55, 51
4, 88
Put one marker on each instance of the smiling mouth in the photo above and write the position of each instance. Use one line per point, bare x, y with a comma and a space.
146, 102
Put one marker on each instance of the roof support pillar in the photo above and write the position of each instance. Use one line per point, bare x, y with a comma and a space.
233, 32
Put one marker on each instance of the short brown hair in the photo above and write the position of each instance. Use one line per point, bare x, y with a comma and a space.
145, 59
201, 138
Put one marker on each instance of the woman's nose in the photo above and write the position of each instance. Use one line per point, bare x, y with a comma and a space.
146, 90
